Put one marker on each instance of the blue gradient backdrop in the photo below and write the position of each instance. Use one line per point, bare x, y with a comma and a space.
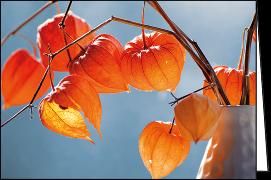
28, 150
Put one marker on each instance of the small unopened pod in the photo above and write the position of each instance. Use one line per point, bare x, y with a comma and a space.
161, 150
197, 117
157, 65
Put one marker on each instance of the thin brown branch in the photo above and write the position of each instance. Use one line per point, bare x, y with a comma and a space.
62, 27
62, 23
13, 32
153, 28
245, 84
15, 115
66, 42
218, 90
40, 84
172, 124
82, 37
239, 67
80, 46
173, 96
178, 99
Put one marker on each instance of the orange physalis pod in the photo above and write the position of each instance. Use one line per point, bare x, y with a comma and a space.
20, 78
63, 120
197, 117
158, 66
160, 150
59, 111
101, 65
50, 33
231, 82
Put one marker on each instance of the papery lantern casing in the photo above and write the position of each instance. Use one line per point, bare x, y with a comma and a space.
20, 78
60, 110
50, 33
231, 82
158, 67
160, 150
197, 117
63, 120
101, 65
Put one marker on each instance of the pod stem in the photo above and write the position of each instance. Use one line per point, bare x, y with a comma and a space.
172, 124
239, 67
142, 29
245, 81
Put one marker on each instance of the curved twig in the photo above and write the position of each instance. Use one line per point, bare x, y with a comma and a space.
245, 84
178, 99
25, 22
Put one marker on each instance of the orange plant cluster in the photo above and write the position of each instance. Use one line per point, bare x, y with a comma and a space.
100, 64
97, 64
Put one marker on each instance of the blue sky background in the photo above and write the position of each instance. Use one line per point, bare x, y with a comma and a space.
29, 150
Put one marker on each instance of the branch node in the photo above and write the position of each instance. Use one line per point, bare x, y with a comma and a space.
211, 85
61, 25
173, 96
